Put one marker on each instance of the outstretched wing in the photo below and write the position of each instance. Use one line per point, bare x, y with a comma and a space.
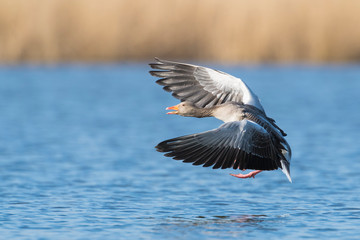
203, 86
241, 145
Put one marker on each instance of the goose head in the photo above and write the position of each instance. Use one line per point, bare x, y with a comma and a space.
186, 109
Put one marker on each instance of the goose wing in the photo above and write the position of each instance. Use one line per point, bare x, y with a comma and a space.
240, 144
203, 86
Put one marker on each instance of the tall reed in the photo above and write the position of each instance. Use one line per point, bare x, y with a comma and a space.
214, 30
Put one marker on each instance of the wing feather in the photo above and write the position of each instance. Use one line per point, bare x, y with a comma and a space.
240, 144
187, 81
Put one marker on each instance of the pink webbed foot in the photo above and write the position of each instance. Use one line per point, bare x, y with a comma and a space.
249, 175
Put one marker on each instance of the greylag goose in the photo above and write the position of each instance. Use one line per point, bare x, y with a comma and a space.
248, 139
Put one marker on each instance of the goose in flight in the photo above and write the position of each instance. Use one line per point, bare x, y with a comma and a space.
248, 138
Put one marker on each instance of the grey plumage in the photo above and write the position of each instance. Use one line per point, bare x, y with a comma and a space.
240, 140
247, 140
200, 85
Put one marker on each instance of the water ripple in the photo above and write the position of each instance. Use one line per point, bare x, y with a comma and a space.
78, 158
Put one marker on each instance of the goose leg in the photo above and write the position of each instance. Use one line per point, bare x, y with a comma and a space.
249, 175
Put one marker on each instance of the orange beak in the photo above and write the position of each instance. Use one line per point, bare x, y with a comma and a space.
176, 108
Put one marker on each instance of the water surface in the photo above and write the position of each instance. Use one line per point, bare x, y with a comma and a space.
77, 158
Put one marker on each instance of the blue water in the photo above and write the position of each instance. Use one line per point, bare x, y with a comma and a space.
77, 158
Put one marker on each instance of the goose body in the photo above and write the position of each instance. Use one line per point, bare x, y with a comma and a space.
248, 139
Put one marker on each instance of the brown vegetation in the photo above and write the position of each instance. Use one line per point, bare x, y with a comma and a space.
214, 30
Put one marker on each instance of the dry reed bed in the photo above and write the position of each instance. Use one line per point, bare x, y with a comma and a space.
215, 30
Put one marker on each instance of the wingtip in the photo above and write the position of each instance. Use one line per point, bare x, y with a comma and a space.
157, 62
162, 147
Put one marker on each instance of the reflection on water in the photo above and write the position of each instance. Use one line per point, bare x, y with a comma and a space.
214, 220
228, 226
